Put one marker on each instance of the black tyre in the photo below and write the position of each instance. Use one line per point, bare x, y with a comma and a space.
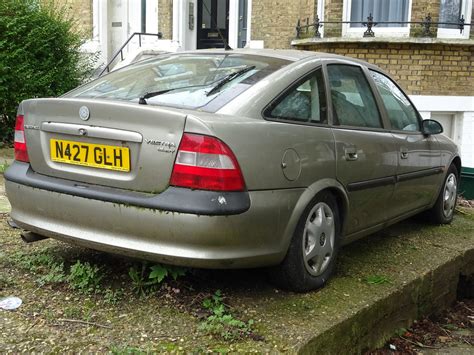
443, 210
311, 257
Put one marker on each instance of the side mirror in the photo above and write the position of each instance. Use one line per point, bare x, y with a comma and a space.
432, 127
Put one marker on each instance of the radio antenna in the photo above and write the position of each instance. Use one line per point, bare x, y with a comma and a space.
213, 23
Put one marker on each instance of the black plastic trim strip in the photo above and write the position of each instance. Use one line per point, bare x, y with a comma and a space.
419, 174
362, 185
173, 199
391, 180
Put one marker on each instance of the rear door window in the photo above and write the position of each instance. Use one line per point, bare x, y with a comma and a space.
304, 102
353, 102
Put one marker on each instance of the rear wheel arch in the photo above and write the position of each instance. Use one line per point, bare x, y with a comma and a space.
330, 185
312, 253
342, 204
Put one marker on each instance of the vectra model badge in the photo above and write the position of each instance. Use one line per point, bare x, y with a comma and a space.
162, 146
84, 113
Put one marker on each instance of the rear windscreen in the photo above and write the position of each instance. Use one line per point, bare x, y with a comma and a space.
183, 80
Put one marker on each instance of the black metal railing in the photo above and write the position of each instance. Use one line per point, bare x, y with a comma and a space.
120, 51
303, 26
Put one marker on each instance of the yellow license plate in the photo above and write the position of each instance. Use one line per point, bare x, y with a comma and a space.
87, 154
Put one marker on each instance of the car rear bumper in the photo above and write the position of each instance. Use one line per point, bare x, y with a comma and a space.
172, 199
249, 239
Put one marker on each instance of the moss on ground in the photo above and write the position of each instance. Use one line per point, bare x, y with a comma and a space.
168, 320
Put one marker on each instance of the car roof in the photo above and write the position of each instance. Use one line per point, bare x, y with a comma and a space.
287, 54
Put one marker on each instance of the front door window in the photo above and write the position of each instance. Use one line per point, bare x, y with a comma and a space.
400, 111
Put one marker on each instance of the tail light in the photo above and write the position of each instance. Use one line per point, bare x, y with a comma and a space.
206, 163
21, 153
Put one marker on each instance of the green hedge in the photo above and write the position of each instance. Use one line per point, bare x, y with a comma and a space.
39, 56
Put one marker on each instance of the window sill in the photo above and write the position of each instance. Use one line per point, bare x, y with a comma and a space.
417, 40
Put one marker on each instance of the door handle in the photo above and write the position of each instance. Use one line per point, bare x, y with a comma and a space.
404, 153
350, 153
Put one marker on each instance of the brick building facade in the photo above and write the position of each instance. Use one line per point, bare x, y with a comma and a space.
80, 11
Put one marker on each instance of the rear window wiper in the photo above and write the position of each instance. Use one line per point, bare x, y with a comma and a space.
221, 83
229, 78
147, 95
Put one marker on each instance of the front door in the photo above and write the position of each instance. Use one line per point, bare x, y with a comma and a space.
212, 23
419, 159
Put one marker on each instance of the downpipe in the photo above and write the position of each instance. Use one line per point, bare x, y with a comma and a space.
30, 237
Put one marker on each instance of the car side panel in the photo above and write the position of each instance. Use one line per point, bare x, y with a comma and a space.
260, 147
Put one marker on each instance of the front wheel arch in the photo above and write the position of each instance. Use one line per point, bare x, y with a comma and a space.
446, 197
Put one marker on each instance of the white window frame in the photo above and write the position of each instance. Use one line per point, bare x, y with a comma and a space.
233, 22
320, 12
454, 32
358, 32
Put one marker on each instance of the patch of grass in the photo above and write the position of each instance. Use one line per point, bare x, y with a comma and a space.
35, 262
6, 281
85, 277
49, 268
127, 350
400, 332
73, 312
377, 280
221, 323
148, 279
3, 167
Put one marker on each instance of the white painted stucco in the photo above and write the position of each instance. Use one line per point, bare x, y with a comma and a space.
461, 108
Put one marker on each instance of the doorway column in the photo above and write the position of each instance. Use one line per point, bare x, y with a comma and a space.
179, 23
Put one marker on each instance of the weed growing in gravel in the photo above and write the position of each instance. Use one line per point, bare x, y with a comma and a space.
6, 281
112, 296
377, 280
35, 262
222, 323
54, 275
149, 279
50, 268
72, 312
3, 167
128, 350
85, 277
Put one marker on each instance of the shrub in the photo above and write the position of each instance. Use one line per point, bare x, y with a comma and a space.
39, 56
